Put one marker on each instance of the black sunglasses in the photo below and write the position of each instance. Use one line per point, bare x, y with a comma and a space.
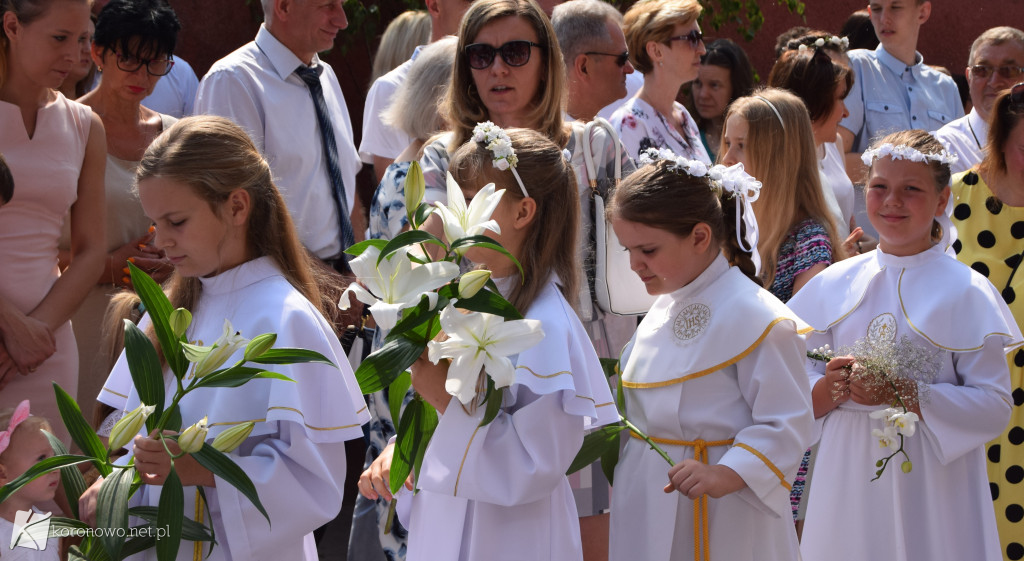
695, 38
514, 53
620, 59
983, 71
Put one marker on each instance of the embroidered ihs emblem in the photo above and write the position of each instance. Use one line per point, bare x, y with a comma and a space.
691, 322
882, 329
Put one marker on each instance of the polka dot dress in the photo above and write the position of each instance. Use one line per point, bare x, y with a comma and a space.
990, 238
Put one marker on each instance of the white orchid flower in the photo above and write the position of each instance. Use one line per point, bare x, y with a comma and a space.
905, 423
887, 438
395, 284
478, 340
884, 414
461, 221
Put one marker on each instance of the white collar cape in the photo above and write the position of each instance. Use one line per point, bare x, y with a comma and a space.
946, 302
711, 323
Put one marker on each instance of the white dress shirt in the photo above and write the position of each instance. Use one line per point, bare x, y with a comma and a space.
256, 86
380, 139
966, 138
175, 93
889, 96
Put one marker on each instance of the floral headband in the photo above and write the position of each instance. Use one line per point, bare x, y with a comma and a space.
804, 43
731, 181
20, 414
904, 152
495, 139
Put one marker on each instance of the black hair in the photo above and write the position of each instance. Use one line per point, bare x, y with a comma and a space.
137, 28
6, 182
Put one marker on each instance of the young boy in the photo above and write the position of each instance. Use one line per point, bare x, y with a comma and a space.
894, 89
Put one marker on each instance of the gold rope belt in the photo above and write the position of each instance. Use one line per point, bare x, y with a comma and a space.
700, 504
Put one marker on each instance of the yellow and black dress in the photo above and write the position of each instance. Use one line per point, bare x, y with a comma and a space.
990, 238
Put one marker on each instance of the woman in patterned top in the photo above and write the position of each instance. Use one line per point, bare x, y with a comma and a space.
770, 134
988, 212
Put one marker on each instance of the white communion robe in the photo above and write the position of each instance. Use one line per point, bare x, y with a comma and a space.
719, 361
499, 492
295, 455
942, 509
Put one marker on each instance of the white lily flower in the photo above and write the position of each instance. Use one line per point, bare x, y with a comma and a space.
128, 426
477, 340
215, 356
395, 284
462, 221
191, 439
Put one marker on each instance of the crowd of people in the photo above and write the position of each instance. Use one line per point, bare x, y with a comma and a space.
753, 365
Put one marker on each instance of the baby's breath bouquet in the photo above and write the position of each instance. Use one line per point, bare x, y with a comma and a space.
900, 371
194, 366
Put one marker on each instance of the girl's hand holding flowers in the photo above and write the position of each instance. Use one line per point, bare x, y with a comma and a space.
153, 462
693, 479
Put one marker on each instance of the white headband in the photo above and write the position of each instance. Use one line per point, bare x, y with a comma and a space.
498, 142
732, 181
904, 152
772, 105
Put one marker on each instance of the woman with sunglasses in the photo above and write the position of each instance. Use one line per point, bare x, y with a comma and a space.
724, 75
665, 45
132, 48
55, 149
988, 212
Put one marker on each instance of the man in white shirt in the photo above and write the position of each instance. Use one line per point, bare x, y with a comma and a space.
175, 93
995, 64
894, 89
382, 143
257, 87
596, 59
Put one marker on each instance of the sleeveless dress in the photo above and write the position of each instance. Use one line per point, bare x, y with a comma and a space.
45, 168
125, 222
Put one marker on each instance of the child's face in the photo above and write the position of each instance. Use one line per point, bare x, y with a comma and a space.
29, 446
902, 201
897, 21
198, 240
734, 141
663, 260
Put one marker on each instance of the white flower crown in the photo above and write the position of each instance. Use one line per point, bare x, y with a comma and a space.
495, 139
842, 43
731, 181
904, 152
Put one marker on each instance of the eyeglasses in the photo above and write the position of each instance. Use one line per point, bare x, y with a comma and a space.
983, 71
514, 53
620, 59
695, 38
1017, 97
155, 66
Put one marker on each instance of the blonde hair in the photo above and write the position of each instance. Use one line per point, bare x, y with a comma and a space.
26, 11
214, 156
462, 106
550, 244
783, 157
406, 32
655, 20
414, 105
31, 423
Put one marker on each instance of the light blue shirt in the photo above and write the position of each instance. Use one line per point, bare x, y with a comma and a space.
889, 96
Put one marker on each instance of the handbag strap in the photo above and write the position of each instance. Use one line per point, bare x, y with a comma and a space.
586, 144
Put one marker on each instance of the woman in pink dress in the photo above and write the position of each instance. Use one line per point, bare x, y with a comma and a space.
55, 149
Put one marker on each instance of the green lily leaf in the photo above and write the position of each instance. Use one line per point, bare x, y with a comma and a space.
112, 508
358, 249
81, 432
287, 355
381, 368
236, 376
40, 468
397, 392
416, 316
146, 370
427, 424
486, 243
138, 544
595, 445
169, 515
493, 400
407, 238
71, 478
222, 466
405, 444
159, 309
609, 460
490, 303
190, 529
423, 212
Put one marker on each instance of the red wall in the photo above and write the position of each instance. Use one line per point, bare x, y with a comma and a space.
213, 28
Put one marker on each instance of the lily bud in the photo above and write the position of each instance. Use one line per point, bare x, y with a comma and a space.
230, 341
192, 439
180, 319
125, 429
259, 345
906, 466
415, 188
472, 282
233, 437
